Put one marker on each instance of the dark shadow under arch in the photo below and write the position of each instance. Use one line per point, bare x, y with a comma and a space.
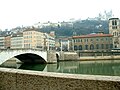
30, 58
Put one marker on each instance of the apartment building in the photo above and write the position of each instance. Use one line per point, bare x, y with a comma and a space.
2, 42
92, 42
33, 39
114, 29
49, 43
7, 42
17, 41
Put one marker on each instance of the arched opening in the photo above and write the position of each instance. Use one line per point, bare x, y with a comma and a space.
80, 47
30, 58
91, 47
75, 47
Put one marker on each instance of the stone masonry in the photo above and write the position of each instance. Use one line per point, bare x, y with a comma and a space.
14, 79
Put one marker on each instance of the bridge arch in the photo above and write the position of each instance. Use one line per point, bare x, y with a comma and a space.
30, 58
7, 54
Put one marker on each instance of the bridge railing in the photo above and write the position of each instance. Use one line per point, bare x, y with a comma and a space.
20, 49
36, 49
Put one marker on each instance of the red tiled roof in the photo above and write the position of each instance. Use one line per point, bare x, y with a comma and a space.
93, 35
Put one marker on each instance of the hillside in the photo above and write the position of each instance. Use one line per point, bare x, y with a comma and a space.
78, 27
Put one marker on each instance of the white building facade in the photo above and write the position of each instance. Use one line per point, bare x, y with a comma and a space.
17, 42
49, 43
2, 42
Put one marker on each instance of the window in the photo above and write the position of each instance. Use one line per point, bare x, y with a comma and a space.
97, 46
111, 45
112, 22
91, 39
84, 40
91, 47
81, 40
106, 38
113, 34
102, 46
80, 47
86, 47
74, 40
115, 22
106, 46
75, 47
114, 27
117, 34
102, 39
97, 39
78, 40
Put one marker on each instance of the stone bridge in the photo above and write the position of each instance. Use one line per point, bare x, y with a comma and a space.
29, 55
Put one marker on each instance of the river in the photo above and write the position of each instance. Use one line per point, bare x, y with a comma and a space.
107, 67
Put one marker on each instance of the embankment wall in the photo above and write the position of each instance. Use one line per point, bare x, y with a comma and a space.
14, 79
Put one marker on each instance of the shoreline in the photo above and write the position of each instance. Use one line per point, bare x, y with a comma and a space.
89, 58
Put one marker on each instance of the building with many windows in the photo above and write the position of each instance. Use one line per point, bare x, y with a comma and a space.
92, 42
17, 41
114, 29
2, 42
33, 39
7, 42
49, 43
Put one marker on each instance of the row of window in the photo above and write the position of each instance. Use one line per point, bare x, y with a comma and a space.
27, 41
114, 27
114, 22
29, 32
92, 47
97, 39
32, 37
20, 38
116, 33
16, 45
27, 45
36, 33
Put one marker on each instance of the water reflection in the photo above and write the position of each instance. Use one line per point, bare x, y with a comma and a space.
78, 67
37, 67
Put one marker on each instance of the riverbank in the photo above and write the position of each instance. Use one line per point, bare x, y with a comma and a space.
87, 58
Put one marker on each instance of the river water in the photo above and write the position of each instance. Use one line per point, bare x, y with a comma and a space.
107, 67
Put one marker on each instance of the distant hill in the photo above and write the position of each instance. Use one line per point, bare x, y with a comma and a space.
78, 27
66, 29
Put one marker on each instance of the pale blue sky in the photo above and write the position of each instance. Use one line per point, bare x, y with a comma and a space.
27, 12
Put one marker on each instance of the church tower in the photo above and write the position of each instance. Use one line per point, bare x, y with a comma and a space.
114, 29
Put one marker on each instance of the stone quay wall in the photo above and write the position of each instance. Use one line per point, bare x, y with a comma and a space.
14, 79
68, 56
51, 57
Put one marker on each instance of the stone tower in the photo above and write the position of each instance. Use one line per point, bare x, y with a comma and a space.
114, 29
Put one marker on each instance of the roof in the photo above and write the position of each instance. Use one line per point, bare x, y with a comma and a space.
93, 35
113, 18
30, 29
